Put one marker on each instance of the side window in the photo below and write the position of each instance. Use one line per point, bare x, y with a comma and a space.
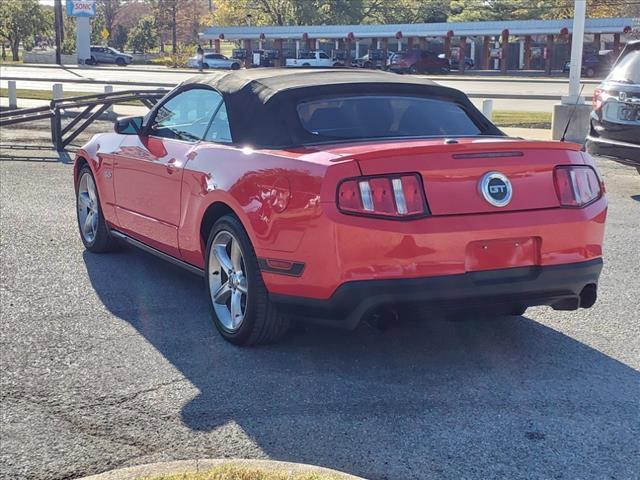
323, 55
187, 115
219, 130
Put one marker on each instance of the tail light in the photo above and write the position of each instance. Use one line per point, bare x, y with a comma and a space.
392, 196
597, 99
576, 185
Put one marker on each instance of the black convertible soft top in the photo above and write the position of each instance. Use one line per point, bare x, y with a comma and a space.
261, 103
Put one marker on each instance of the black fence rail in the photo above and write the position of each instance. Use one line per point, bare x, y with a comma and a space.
93, 106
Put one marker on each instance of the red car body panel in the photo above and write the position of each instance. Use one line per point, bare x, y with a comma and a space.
158, 191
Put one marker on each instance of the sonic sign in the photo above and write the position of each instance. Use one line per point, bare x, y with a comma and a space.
81, 8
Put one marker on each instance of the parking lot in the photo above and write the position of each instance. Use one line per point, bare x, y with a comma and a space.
112, 360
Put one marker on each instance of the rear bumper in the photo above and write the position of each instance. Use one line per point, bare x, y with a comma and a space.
563, 287
622, 152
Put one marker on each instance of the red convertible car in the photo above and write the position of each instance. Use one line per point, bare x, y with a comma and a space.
327, 195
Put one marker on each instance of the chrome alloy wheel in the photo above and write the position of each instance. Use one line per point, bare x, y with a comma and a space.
87, 207
228, 283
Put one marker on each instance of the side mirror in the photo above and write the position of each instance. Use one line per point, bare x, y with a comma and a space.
128, 125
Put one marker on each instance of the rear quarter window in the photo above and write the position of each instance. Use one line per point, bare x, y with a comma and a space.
383, 116
628, 69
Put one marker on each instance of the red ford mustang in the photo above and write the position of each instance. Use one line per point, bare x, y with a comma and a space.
327, 195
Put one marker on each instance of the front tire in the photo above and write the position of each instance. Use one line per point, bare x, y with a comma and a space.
242, 311
91, 223
235, 66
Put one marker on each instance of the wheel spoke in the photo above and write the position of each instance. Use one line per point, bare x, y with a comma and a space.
236, 256
83, 200
88, 224
223, 258
236, 308
94, 222
91, 190
222, 294
242, 284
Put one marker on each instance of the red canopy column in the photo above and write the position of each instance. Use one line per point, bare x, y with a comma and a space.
385, 51
422, 43
484, 58
216, 45
527, 52
246, 44
616, 43
350, 37
278, 44
504, 54
548, 54
596, 40
447, 44
409, 43
463, 54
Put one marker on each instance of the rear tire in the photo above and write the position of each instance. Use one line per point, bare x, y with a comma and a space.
413, 69
93, 228
242, 311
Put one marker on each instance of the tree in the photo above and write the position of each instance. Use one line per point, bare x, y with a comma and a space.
144, 35
165, 13
107, 11
119, 38
18, 22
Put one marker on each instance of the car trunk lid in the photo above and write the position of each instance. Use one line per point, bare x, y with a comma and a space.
453, 170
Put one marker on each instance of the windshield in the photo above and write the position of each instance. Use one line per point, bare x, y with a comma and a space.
383, 116
628, 70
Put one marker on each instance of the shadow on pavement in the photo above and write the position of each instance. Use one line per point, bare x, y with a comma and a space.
460, 399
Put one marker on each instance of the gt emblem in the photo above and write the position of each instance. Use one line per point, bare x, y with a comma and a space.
108, 174
495, 188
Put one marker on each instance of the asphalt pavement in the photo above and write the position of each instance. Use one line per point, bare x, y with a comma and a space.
112, 360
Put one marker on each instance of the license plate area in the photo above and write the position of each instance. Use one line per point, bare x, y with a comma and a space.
628, 112
502, 253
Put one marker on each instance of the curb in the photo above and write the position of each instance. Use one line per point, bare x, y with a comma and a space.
201, 465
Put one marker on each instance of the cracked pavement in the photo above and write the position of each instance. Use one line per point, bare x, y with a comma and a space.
111, 360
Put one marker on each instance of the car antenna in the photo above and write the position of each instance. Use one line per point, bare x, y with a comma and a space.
575, 106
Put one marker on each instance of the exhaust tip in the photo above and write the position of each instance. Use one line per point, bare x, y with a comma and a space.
588, 296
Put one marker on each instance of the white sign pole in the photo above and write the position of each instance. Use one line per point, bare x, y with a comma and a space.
579, 14
83, 39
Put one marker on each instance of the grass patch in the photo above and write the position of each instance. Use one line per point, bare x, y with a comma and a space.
515, 118
231, 472
28, 94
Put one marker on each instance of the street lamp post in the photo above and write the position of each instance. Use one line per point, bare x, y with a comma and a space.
571, 116
576, 52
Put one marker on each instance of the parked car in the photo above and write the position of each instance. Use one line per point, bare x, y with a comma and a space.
109, 55
214, 60
312, 59
329, 195
455, 62
365, 62
615, 119
417, 61
593, 63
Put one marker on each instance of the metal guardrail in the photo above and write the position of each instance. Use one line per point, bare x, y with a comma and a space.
93, 106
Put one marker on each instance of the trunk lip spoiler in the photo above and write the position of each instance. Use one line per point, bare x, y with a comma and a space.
506, 144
